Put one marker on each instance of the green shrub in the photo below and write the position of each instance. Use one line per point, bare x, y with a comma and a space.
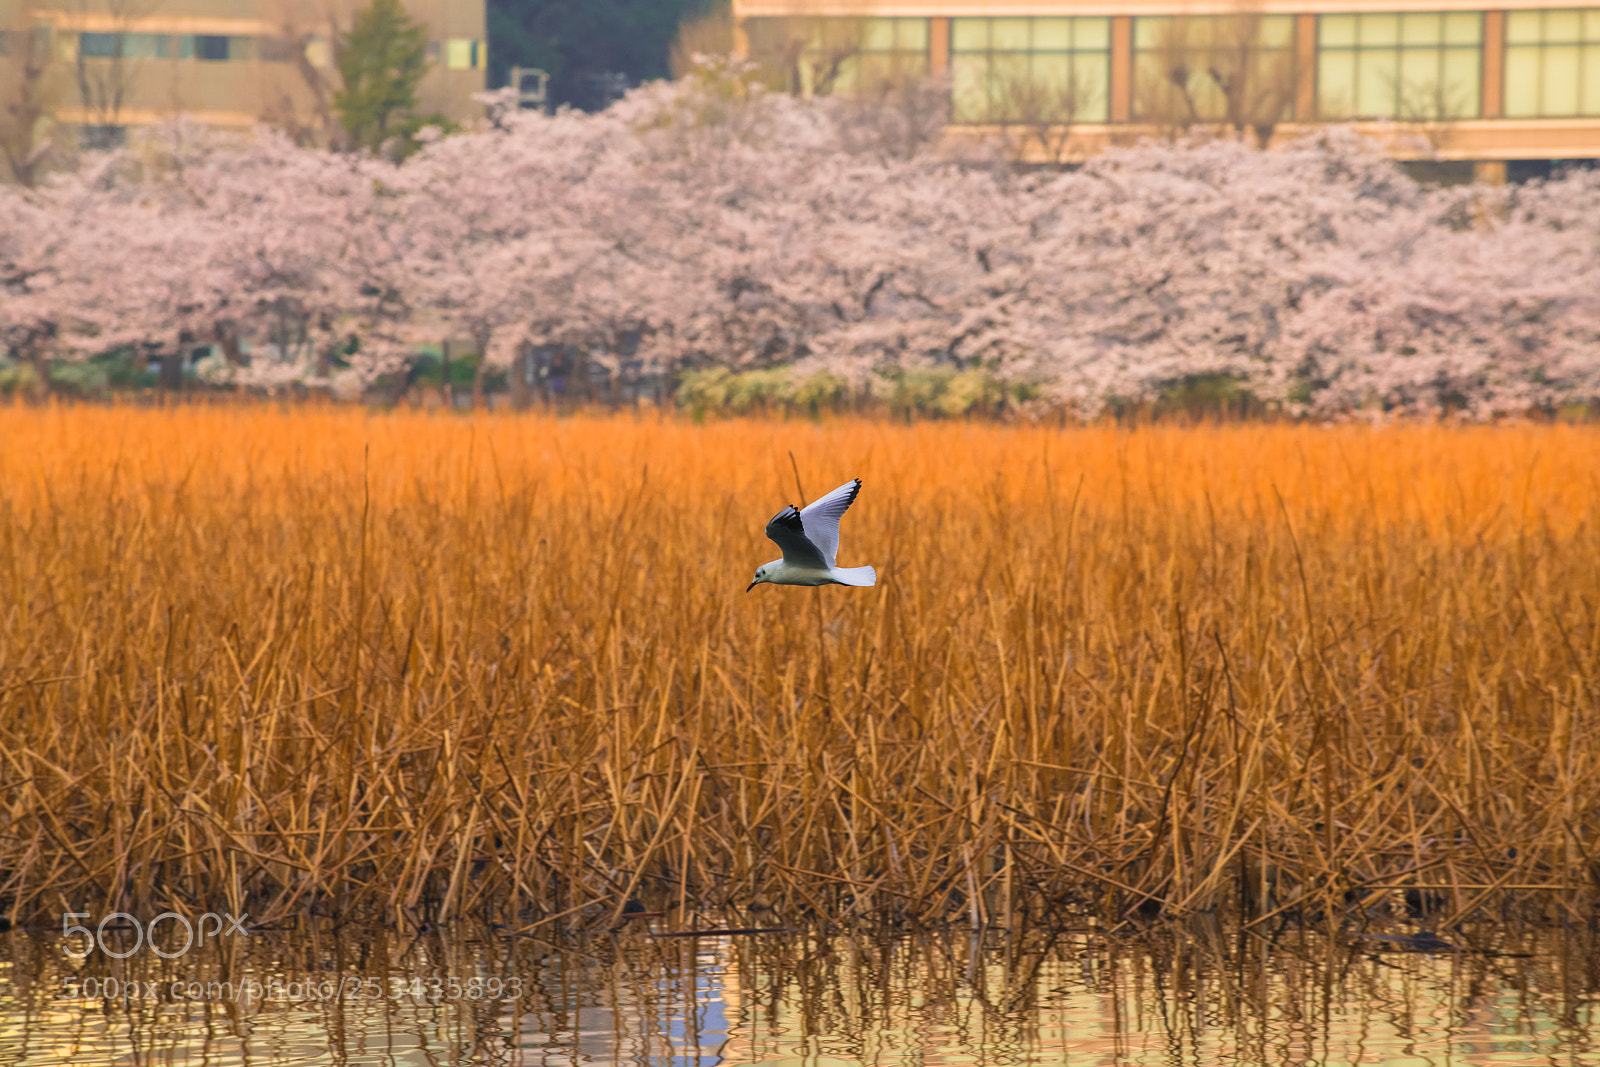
821, 389
971, 390
705, 390
935, 391
17, 377
1203, 395
932, 392
739, 392
87, 379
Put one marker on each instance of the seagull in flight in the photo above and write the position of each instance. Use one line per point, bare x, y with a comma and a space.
809, 537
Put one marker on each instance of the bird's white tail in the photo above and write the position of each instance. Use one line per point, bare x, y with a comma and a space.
855, 576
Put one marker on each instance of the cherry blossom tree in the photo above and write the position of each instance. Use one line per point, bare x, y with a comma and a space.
30, 265
711, 225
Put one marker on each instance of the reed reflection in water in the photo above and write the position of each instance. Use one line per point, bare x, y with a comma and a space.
1191, 994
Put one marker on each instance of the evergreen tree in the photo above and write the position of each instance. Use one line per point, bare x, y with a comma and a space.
381, 60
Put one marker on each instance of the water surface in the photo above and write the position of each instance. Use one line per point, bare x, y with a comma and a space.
1167, 995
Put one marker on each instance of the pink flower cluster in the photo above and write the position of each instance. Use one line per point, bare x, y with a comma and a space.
706, 222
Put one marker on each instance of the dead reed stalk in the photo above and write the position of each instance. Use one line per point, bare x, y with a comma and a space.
283, 659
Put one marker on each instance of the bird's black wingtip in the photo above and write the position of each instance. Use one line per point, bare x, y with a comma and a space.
789, 518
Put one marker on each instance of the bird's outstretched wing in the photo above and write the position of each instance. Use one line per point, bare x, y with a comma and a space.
788, 532
821, 518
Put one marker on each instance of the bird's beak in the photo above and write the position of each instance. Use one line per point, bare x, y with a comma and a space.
749, 587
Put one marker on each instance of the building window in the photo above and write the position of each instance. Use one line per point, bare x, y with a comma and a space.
1214, 68
124, 45
1030, 70
840, 55
99, 45
462, 53
1411, 67
1552, 63
854, 55
146, 45
209, 47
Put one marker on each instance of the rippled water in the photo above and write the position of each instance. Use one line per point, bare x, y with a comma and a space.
1195, 994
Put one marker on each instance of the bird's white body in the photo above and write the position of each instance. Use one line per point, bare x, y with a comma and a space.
809, 538
780, 573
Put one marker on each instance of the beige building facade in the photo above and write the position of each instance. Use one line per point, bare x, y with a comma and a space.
109, 65
1435, 79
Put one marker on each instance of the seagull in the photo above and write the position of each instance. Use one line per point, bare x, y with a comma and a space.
809, 537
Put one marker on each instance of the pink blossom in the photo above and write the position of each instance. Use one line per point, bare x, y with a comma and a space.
711, 223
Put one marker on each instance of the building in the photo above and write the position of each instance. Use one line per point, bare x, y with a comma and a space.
107, 65
1441, 80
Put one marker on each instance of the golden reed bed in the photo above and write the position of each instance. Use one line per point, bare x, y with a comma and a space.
265, 660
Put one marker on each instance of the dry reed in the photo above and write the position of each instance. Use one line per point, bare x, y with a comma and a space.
272, 660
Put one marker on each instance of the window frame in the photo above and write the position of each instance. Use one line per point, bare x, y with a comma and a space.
1441, 48
468, 49
99, 41
127, 45
236, 47
1587, 48
1286, 52
895, 55
795, 47
1098, 108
